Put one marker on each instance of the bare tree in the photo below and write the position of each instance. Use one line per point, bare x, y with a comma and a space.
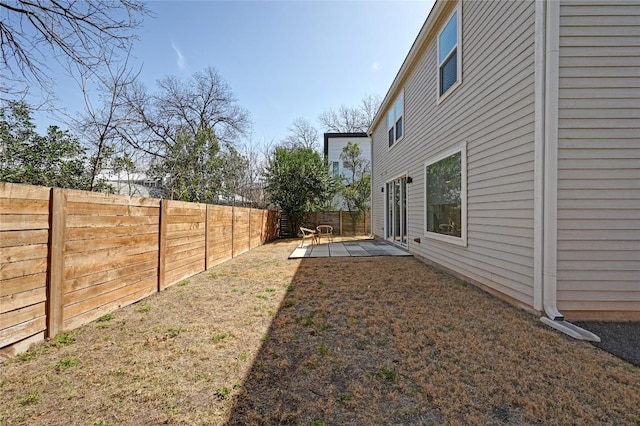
351, 119
302, 134
100, 124
32, 32
189, 129
257, 154
369, 106
204, 101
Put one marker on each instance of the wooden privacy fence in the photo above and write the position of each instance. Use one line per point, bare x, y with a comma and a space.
68, 257
341, 221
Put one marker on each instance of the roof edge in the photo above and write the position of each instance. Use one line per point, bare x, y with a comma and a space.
411, 58
340, 135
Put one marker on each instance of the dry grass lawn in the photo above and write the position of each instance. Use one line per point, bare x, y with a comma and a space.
266, 340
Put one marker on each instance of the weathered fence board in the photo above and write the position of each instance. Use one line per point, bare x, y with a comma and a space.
187, 257
90, 262
19, 238
135, 240
24, 237
109, 275
342, 222
255, 228
111, 302
20, 206
272, 225
219, 234
20, 253
68, 257
74, 234
241, 227
16, 285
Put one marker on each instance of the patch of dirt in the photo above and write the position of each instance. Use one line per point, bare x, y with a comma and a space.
266, 340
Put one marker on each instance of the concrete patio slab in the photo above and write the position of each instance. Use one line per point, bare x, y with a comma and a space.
301, 252
338, 250
320, 250
348, 249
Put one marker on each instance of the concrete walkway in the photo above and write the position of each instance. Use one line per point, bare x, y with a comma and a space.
348, 249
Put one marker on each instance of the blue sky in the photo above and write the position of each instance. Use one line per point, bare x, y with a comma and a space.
283, 60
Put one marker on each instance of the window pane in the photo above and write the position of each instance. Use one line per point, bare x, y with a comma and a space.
403, 183
396, 211
444, 203
399, 106
391, 118
449, 73
448, 38
391, 139
336, 168
389, 210
399, 129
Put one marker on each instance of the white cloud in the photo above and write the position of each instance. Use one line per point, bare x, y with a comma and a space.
181, 61
375, 66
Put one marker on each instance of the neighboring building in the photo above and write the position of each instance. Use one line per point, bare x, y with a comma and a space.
334, 143
507, 150
132, 184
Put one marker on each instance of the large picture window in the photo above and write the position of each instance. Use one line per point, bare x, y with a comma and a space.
449, 54
395, 120
446, 196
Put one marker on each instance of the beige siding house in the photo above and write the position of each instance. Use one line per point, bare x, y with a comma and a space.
507, 151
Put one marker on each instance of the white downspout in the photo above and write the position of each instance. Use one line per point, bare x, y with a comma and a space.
546, 180
538, 175
550, 221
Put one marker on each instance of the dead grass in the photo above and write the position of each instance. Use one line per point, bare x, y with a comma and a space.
266, 340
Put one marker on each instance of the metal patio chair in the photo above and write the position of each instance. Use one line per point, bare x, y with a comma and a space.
325, 231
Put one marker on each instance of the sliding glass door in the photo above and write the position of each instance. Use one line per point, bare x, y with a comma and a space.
396, 221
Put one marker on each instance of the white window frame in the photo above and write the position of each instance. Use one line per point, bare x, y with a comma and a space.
392, 109
403, 223
458, 12
462, 240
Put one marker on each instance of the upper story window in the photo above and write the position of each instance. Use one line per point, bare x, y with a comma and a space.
395, 120
335, 168
449, 61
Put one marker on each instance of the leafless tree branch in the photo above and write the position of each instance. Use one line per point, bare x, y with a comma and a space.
302, 134
351, 119
32, 32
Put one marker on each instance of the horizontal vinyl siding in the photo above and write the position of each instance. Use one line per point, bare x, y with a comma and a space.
379, 176
599, 157
493, 112
337, 144
335, 147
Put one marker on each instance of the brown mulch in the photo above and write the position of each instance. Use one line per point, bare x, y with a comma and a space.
330, 341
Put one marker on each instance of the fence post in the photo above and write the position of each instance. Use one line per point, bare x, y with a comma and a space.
206, 237
340, 222
162, 243
367, 229
364, 223
55, 280
233, 231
